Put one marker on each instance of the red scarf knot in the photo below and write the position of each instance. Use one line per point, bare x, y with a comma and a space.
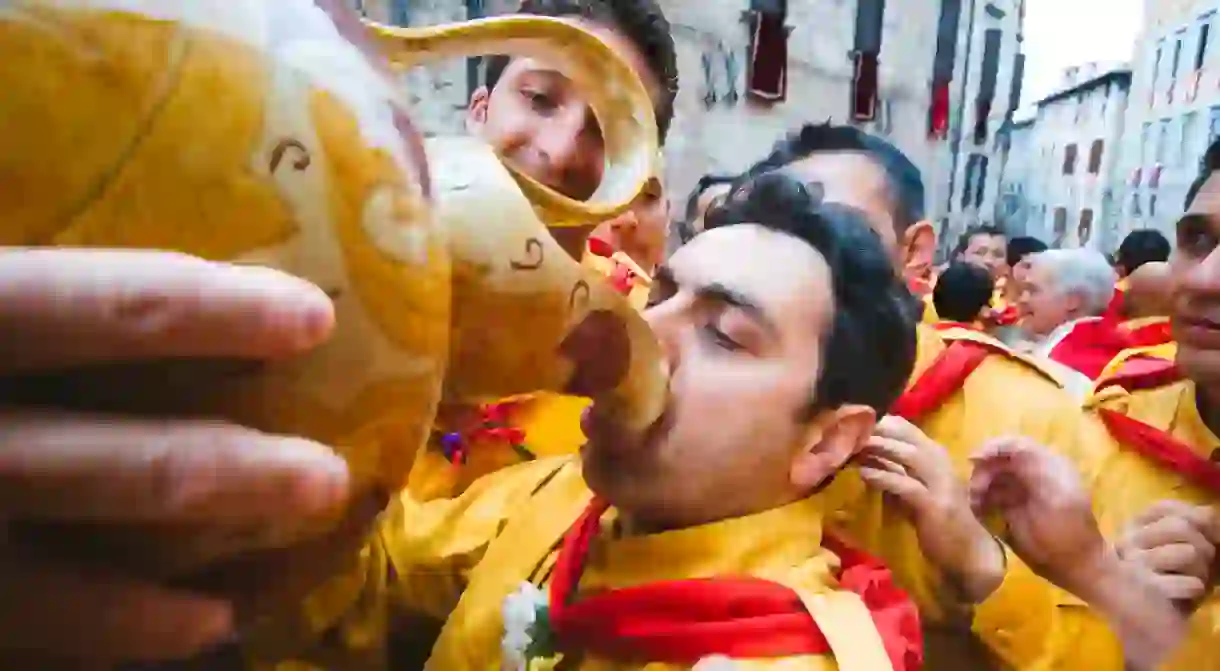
683, 621
494, 425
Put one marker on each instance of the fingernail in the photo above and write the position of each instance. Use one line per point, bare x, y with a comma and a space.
316, 322
322, 486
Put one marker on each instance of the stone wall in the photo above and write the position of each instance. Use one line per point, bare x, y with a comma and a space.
728, 134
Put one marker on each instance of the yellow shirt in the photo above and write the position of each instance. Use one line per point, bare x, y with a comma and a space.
548, 423
1124, 483
1027, 623
458, 559
1200, 651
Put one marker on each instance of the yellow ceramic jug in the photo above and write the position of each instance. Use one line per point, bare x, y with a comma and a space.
265, 131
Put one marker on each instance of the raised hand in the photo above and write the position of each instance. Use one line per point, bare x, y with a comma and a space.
193, 481
917, 472
1175, 542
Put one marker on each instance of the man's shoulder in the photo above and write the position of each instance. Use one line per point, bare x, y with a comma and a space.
1143, 387
1004, 365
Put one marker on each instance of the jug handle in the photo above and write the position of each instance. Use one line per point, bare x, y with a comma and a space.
617, 96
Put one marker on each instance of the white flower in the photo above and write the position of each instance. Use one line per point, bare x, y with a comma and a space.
520, 612
714, 663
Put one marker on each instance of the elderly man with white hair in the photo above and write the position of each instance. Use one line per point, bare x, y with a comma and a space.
1066, 294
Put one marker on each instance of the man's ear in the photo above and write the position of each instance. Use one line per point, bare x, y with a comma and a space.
476, 111
831, 441
918, 244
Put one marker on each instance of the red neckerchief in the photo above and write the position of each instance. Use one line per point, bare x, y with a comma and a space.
1114, 310
1164, 449
1007, 317
1090, 346
622, 277
946, 325
1151, 335
683, 621
1142, 372
946, 375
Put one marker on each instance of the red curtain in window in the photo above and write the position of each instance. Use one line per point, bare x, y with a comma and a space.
938, 112
864, 88
768, 69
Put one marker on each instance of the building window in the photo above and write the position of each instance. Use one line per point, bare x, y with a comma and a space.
1162, 142
1069, 159
1205, 31
1173, 153
1095, 151
1061, 226
1156, 64
1084, 230
1190, 131
767, 68
1177, 56
1145, 146
400, 12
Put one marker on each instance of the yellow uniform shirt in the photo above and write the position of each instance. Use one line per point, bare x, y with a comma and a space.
1125, 483
457, 560
1027, 623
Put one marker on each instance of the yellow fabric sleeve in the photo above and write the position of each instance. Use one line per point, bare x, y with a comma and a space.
1032, 625
415, 562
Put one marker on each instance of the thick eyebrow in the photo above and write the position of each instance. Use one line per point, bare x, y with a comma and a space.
722, 294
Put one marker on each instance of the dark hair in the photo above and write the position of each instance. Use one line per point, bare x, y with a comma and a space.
1207, 165
1021, 247
640, 21
1140, 247
962, 291
705, 182
870, 349
906, 188
963, 242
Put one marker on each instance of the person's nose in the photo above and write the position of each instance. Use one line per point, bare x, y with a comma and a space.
571, 154
667, 320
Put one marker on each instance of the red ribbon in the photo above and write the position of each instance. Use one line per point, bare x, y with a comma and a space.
1142, 372
1164, 449
946, 375
1007, 317
683, 621
1151, 335
949, 325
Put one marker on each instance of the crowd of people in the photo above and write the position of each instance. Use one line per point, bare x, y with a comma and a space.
866, 461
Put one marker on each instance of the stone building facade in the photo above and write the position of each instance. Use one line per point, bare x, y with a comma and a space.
1174, 111
1066, 159
719, 129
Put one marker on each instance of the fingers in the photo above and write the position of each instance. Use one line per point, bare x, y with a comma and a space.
1178, 558
897, 428
1180, 587
81, 468
268, 582
65, 307
1165, 531
101, 616
1198, 515
907, 489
